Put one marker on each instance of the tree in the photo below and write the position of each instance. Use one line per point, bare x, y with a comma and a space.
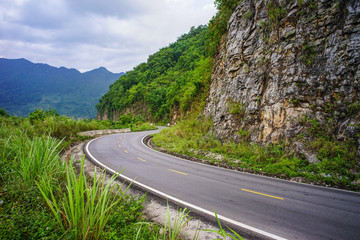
3, 113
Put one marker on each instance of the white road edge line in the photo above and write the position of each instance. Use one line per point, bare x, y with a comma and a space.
189, 205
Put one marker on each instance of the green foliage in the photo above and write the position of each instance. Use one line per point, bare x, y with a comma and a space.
236, 109
49, 122
173, 78
311, 4
24, 215
218, 24
129, 120
243, 133
338, 160
248, 15
173, 228
265, 27
308, 53
315, 127
354, 108
141, 126
3, 113
40, 114
127, 222
294, 101
275, 12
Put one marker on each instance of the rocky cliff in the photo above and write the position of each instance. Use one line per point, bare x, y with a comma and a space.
283, 63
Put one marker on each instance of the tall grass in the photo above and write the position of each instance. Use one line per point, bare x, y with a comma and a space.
82, 209
5, 167
223, 233
173, 228
38, 157
23, 213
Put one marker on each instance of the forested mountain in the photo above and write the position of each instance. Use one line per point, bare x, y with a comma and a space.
167, 84
25, 86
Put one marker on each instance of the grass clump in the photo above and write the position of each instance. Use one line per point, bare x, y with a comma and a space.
338, 162
173, 229
236, 109
81, 209
308, 53
39, 157
223, 233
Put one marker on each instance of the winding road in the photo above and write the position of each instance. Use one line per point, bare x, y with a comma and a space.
267, 207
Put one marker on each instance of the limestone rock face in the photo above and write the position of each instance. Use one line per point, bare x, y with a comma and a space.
284, 61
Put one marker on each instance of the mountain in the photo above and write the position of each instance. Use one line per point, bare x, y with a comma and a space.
26, 86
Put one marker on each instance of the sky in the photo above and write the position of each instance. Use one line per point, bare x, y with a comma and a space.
87, 34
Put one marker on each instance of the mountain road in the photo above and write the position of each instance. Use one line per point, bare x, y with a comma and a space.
270, 208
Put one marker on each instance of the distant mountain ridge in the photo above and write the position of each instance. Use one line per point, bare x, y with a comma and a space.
25, 86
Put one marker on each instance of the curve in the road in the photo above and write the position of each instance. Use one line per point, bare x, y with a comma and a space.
270, 207
182, 202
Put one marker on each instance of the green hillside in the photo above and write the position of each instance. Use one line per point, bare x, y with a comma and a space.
171, 80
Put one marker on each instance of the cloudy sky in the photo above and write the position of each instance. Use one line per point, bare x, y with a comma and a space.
87, 34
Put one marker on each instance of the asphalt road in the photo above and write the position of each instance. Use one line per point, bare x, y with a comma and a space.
270, 207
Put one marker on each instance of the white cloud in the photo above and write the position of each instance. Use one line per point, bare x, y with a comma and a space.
86, 34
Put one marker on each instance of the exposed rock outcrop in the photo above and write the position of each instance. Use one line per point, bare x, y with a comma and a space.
94, 133
135, 109
284, 61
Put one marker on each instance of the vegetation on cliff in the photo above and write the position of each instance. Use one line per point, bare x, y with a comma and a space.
218, 24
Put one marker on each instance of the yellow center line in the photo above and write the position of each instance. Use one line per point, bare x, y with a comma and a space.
126, 151
119, 145
178, 172
262, 194
141, 159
